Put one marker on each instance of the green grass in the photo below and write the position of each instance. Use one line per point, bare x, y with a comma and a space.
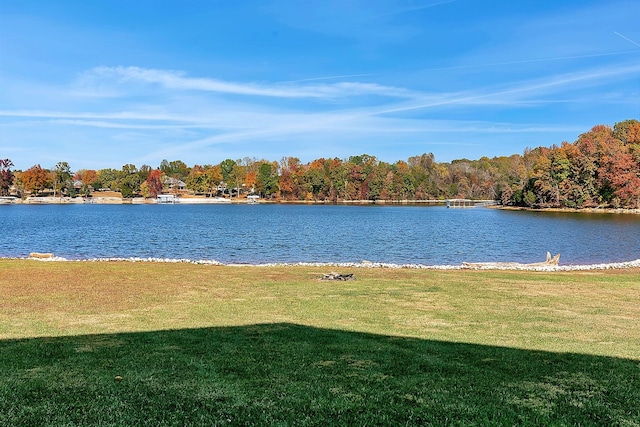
203, 345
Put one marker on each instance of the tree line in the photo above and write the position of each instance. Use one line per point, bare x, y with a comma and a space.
601, 168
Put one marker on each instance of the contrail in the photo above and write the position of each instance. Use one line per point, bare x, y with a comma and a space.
626, 38
527, 61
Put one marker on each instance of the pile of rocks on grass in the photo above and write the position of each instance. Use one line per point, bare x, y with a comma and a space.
338, 276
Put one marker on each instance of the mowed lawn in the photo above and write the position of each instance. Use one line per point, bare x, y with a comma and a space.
117, 343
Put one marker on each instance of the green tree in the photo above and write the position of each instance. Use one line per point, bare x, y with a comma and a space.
107, 178
175, 169
144, 172
130, 181
61, 176
315, 180
337, 173
130, 185
228, 167
267, 180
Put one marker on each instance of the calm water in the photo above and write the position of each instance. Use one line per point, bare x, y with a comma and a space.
300, 233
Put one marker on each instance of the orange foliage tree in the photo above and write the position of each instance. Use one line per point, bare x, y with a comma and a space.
35, 179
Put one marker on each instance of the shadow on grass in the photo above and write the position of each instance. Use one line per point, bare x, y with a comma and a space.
285, 374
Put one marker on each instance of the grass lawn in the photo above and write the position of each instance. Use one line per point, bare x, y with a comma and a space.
176, 344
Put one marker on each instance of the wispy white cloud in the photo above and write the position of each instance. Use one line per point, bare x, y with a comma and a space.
347, 76
517, 92
126, 119
188, 117
178, 80
332, 77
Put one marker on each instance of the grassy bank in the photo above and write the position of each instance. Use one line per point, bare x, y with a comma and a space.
177, 344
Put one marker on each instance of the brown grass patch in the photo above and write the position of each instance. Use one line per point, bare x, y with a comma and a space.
592, 312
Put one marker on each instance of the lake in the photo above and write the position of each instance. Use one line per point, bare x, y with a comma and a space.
268, 233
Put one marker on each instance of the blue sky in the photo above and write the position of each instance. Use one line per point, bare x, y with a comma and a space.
100, 84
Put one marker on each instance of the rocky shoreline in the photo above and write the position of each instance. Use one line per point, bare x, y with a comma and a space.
363, 264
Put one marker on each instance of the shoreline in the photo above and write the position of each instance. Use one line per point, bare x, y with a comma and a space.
570, 210
190, 200
364, 264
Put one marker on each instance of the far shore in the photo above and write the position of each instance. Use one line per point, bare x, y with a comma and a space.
570, 210
115, 198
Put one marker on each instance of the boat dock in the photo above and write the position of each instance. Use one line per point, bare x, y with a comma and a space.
469, 203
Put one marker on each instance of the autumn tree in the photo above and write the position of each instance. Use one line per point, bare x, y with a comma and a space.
87, 178
404, 181
375, 179
250, 180
154, 183
289, 181
35, 179
314, 180
424, 175
628, 131
515, 177
197, 180
214, 177
619, 169
6, 176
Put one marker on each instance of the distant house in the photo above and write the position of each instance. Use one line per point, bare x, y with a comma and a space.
173, 183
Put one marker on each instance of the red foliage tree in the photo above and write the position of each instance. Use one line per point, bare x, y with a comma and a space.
6, 176
154, 181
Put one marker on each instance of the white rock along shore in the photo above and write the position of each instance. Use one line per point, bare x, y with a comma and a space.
364, 264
